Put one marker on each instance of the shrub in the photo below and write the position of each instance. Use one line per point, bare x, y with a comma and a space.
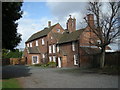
37, 64
51, 64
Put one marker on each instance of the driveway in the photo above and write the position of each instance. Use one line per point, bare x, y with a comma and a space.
36, 77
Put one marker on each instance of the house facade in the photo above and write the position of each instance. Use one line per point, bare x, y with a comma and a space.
63, 46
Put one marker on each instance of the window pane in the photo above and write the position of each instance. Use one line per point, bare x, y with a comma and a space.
73, 46
54, 58
34, 59
43, 42
54, 49
50, 49
50, 59
37, 43
58, 48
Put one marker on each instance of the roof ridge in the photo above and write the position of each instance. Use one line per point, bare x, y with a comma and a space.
41, 33
46, 28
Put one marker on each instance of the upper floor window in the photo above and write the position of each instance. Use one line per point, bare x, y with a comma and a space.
73, 46
54, 48
51, 37
58, 48
31, 44
75, 60
58, 30
50, 49
27, 44
43, 42
37, 43
43, 55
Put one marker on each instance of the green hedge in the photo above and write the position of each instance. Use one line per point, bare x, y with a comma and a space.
11, 54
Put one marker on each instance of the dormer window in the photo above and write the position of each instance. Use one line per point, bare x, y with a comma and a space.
43, 42
58, 30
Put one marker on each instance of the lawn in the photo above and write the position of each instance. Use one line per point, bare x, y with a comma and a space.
10, 83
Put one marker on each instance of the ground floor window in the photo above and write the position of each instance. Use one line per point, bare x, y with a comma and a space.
34, 59
54, 58
50, 59
75, 59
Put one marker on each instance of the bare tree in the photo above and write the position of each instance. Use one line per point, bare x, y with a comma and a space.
106, 27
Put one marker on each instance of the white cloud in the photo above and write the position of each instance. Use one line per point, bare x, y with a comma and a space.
60, 11
27, 27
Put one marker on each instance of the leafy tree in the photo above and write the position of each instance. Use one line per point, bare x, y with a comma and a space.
11, 11
11, 54
106, 26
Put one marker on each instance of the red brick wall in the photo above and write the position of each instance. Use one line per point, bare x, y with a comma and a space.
29, 58
70, 54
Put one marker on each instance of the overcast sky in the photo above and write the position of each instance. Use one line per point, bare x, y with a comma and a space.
37, 14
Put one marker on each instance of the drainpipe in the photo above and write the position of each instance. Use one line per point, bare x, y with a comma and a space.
78, 53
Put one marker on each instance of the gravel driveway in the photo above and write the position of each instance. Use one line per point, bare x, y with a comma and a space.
36, 77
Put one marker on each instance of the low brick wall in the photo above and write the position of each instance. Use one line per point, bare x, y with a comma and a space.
14, 61
5, 61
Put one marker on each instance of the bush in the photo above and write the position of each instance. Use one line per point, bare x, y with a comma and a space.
11, 54
51, 64
37, 64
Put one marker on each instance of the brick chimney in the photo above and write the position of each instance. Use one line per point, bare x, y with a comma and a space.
71, 24
49, 23
90, 18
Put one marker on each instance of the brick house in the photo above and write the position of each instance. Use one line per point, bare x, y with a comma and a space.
65, 47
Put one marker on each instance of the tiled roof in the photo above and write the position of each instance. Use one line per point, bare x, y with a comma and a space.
33, 50
68, 37
57, 35
41, 33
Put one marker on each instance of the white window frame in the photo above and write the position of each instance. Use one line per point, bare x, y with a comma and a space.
28, 45
58, 30
54, 58
37, 60
43, 42
51, 37
58, 48
31, 44
73, 46
75, 60
43, 56
50, 49
36, 42
54, 48
50, 58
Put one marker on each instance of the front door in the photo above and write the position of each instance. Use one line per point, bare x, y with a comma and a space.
59, 62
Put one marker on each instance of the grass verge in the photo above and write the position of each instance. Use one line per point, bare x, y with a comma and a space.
10, 83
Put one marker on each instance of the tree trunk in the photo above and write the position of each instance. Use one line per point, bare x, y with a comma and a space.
102, 60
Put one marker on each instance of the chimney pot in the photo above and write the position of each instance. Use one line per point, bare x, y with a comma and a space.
49, 23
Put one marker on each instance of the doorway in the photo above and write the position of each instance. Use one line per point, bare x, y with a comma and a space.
59, 62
